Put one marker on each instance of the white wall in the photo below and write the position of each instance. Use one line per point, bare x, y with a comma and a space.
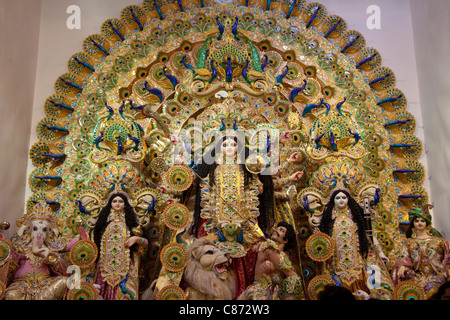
395, 43
57, 43
19, 38
432, 46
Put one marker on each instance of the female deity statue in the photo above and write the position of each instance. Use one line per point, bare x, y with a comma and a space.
424, 258
343, 221
121, 245
40, 271
233, 206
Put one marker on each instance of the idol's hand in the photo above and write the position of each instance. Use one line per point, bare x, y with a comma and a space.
45, 251
179, 160
162, 189
169, 201
384, 258
131, 240
403, 272
286, 136
296, 156
173, 138
296, 176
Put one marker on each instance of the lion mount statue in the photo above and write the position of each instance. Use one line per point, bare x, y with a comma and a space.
207, 273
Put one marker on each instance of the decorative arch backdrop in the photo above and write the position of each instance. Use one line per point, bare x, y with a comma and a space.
410, 40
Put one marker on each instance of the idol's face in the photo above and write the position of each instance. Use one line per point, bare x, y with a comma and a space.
420, 224
340, 200
229, 147
39, 229
278, 234
117, 203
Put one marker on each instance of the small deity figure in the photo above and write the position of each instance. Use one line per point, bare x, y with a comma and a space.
121, 244
239, 200
343, 221
424, 258
41, 271
275, 276
233, 206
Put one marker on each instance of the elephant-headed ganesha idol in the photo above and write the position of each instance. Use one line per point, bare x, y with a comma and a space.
38, 268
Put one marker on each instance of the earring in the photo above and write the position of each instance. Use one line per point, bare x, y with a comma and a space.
429, 230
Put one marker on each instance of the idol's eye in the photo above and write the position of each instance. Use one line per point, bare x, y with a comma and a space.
209, 252
35, 228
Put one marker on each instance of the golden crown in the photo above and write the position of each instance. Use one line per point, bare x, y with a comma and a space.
40, 211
